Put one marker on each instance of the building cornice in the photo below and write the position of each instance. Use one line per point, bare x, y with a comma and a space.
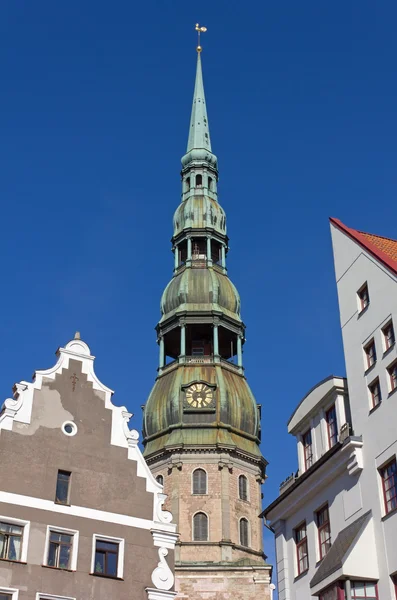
343, 456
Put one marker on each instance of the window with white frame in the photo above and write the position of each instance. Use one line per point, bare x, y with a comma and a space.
14, 535
8, 593
370, 354
375, 392
302, 555
364, 589
107, 556
332, 426
363, 297
61, 548
41, 596
388, 335
392, 370
324, 530
307, 449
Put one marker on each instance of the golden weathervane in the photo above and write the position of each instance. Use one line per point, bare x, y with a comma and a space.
199, 31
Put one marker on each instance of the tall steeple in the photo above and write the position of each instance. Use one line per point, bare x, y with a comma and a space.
199, 133
201, 420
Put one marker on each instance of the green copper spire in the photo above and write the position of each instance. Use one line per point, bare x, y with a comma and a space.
199, 133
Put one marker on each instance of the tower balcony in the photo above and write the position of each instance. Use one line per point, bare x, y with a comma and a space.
209, 360
195, 343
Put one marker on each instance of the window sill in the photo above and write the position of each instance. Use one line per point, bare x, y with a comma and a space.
10, 560
298, 577
362, 311
389, 514
193, 494
369, 369
58, 569
388, 350
107, 576
374, 408
392, 392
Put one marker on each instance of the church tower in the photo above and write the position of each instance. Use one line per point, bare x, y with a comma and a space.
201, 420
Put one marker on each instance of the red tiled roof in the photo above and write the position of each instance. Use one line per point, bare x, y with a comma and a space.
384, 249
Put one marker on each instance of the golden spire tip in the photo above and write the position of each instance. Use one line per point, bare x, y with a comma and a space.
199, 30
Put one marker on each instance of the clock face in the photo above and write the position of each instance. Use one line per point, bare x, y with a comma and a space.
199, 395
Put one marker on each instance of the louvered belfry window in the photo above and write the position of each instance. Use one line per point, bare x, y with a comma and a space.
199, 481
244, 532
243, 487
200, 527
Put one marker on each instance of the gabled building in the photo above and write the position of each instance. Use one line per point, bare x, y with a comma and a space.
201, 420
81, 515
335, 520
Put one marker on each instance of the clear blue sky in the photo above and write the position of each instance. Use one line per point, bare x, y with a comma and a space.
94, 115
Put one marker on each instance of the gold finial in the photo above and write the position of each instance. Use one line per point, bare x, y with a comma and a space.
77, 335
199, 30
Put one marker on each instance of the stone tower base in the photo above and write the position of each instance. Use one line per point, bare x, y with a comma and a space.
223, 583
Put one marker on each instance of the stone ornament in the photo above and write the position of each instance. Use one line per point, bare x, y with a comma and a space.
162, 576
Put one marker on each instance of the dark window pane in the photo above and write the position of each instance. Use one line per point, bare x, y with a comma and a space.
244, 532
243, 492
66, 539
64, 555
111, 566
199, 481
52, 553
200, 527
62, 491
99, 566
109, 546
5, 596
3, 546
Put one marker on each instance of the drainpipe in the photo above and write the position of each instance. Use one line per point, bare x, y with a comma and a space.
272, 588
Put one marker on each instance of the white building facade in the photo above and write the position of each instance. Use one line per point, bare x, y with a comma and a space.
335, 520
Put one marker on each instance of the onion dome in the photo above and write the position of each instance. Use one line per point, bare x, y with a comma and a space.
200, 212
201, 289
234, 424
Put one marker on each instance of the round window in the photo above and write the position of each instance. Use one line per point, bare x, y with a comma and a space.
69, 428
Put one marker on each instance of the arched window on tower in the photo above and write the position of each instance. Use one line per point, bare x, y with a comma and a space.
243, 487
210, 182
187, 184
199, 181
199, 484
244, 532
200, 527
160, 479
